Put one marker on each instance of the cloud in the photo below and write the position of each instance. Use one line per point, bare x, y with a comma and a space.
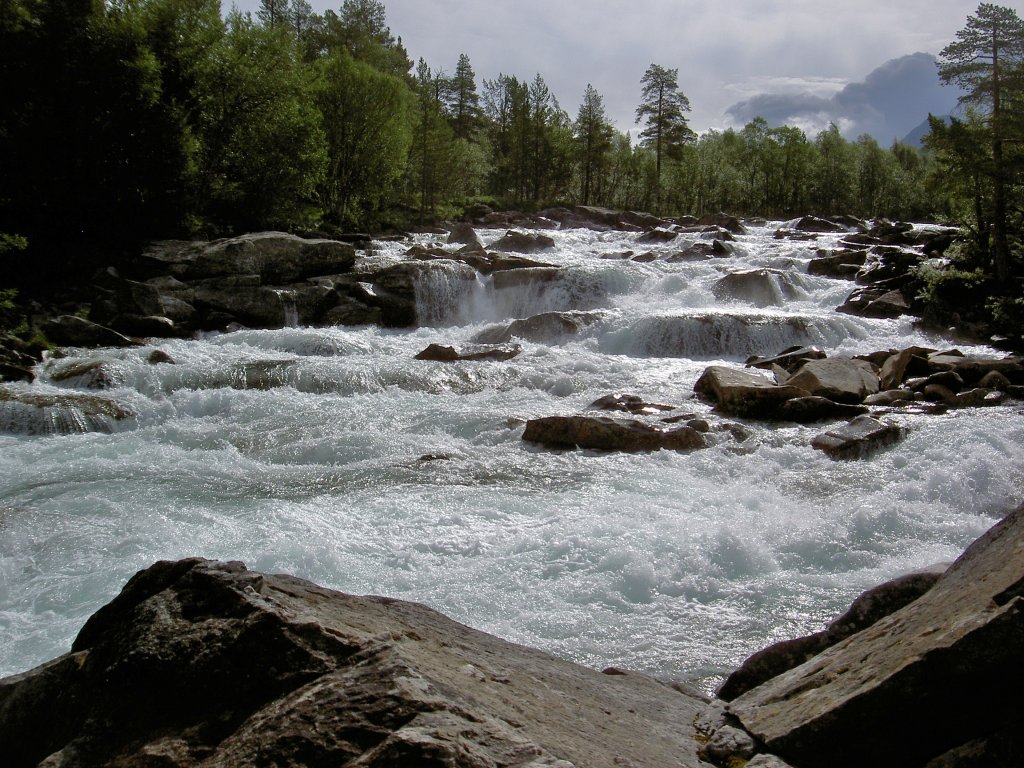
889, 103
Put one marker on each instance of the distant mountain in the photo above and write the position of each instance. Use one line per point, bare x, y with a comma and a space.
890, 103
916, 136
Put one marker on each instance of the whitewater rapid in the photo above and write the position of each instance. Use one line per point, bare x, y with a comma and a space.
333, 455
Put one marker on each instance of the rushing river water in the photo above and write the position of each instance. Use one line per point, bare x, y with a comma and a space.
333, 455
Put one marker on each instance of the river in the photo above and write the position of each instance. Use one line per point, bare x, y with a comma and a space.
334, 455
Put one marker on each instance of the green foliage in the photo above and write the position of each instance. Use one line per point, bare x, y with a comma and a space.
368, 130
662, 110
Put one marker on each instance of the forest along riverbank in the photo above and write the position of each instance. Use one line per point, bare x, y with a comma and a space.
333, 453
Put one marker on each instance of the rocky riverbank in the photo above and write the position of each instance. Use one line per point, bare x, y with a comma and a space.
206, 663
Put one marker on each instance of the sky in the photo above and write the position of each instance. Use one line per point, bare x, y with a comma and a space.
727, 53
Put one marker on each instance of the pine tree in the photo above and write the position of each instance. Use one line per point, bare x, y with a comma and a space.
464, 101
593, 137
987, 60
662, 109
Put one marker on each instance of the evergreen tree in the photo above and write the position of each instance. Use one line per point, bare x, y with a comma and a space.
987, 60
464, 101
593, 138
662, 109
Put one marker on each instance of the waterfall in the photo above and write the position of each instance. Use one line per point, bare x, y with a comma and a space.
289, 309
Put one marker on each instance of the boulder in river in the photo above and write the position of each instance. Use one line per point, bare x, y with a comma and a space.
547, 327
859, 438
840, 379
205, 663
805, 410
760, 287
743, 393
601, 433
522, 242
444, 353
73, 331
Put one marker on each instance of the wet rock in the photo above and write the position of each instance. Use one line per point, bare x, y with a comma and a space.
815, 224
522, 242
547, 327
36, 413
792, 234
699, 251
943, 672
843, 264
972, 369
908, 362
875, 303
790, 359
760, 287
949, 379
658, 235
743, 393
806, 410
87, 374
840, 379
72, 331
765, 760
859, 438
142, 327
937, 393
242, 668
159, 357
630, 404
723, 221
995, 380
464, 234
646, 258
501, 262
607, 434
442, 353
870, 607
889, 397
524, 277
259, 306
977, 398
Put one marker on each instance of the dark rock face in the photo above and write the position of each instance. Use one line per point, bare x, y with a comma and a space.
443, 353
72, 331
610, 434
937, 680
205, 663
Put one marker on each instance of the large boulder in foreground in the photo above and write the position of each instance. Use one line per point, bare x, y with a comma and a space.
859, 438
602, 433
943, 672
206, 663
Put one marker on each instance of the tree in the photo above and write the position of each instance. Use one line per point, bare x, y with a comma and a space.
987, 60
464, 101
365, 118
662, 109
593, 139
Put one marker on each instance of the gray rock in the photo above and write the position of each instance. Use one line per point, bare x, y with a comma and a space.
790, 360
72, 331
760, 287
630, 404
765, 760
464, 234
728, 745
806, 410
908, 362
743, 393
523, 242
547, 327
204, 663
840, 379
859, 438
939, 673
37, 413
606, 434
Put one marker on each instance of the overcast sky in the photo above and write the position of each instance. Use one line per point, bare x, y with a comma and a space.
726, 52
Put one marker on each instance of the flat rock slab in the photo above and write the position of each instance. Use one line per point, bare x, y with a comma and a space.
840, 379
943, 671
606, 434
743, 393
858, 438
444, 353
200, 663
